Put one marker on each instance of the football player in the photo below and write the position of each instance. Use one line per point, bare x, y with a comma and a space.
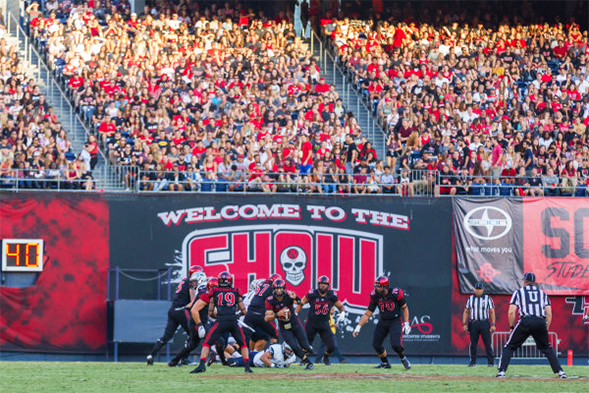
255, 318
392, 305
197, 333
280, 305
177, 313
321, 301
225, 300
277, 355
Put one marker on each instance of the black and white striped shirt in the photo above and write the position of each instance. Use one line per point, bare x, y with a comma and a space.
530, 301
479, 307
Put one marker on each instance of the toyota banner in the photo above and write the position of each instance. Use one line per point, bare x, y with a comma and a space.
498, 240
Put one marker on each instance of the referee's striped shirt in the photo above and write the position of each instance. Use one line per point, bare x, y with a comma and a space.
479, 307
530, 301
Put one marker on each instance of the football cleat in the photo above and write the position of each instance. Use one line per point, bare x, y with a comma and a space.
309, 366
212, 359
326, 360
200, 369
406, 363
562, 375
184, 362
173, 363
383, 365
501, 374
471, 365
247, 369
149, 360
490, 365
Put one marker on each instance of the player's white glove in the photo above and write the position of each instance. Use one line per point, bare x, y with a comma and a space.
341, 317
357, 329
406, 328
201, 331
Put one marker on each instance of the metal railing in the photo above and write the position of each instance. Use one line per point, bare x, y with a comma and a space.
44, 179
417, 182
528, 349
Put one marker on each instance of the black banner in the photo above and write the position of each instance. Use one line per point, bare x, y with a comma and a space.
352, 240
489, 244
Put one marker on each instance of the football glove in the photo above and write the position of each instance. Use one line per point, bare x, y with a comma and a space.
202, 331
357, 329
341, 317
406, 328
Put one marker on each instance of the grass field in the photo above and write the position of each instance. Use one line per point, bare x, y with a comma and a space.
137, 377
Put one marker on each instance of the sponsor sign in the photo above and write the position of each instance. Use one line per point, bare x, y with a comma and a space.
487, 247
497, 240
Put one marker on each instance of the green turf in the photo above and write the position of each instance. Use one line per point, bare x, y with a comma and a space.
137, 377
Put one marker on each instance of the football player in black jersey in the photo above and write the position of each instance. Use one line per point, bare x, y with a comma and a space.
280, 305
321, 301
254, 318
225, 299
197, 332
391, 304
178, 314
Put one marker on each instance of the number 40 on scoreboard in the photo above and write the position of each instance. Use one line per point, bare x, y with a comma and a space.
22, 255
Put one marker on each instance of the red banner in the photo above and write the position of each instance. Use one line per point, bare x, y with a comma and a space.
556, 244
64, 310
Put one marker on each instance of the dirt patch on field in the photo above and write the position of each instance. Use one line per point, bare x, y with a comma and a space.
364, 377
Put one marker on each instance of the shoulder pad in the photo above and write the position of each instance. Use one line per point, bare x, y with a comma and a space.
398, 292
270, 298
373, 294
311, 292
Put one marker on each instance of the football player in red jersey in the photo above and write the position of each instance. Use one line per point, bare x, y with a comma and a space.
391, 304
321, 301
226, 300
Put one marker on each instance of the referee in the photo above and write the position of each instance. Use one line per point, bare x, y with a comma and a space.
535, 316
478, 319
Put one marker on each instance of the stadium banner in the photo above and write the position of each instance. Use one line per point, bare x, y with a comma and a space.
62, 308
488, 241
497, 240
352, 240
556, 244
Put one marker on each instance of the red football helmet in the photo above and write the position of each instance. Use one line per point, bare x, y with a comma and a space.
324, 280
225, 279
212, 283
382, 281
280, 283
275, 277
194, 269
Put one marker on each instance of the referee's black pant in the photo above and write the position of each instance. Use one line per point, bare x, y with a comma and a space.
481, 329
526, 327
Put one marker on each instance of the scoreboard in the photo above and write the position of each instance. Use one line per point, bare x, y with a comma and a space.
22, 255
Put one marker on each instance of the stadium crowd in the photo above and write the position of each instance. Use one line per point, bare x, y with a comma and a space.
191, 98
35, 151
500, 109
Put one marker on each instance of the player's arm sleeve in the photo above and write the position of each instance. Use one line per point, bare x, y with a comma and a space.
372, 305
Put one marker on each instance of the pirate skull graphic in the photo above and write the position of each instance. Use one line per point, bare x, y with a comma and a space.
293, 261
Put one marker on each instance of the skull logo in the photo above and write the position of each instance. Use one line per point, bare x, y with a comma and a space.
293, 261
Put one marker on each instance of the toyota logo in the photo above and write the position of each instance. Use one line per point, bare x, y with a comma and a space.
487, 223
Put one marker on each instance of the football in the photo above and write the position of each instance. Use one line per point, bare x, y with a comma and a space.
286, 315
